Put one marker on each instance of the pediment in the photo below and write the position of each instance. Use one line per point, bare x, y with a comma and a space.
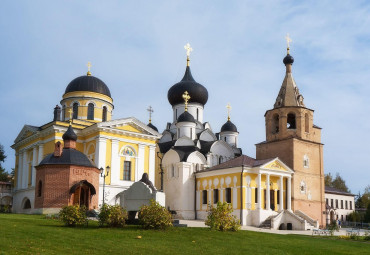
277, 164
26, 131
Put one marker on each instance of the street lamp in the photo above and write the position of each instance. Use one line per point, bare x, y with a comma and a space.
102, 174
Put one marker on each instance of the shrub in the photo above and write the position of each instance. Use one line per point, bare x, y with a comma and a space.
73, 215
333, 226
112, 216
154, 216
220, 218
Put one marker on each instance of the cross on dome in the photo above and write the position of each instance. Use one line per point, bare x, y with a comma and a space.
70, 115
88, 68
150, 110
288, 41
186, 98
188, 49
228, 106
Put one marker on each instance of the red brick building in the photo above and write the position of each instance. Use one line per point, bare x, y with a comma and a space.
66, 177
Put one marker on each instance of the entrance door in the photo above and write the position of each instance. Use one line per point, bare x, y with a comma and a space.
81, 196
272, 200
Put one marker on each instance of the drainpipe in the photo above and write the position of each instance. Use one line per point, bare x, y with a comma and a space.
195, 196
241, 196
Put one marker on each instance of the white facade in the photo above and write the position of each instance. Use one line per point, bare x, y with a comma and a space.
339, 205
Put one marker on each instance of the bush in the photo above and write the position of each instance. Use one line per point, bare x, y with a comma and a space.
73, 215
154, 216
333, 226
112, 216
220, 218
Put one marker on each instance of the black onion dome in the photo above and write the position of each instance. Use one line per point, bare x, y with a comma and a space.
88, 83
198, 93
186, 117
229, 126
152, 127
288, 59
69, 134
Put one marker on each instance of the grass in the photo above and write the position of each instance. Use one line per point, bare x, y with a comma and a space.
33, 234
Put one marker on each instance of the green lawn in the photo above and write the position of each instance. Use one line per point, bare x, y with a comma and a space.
32, 234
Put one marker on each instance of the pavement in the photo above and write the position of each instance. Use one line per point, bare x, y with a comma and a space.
200, 224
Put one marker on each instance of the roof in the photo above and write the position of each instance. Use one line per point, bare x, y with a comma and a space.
186, 117
243, 160
185, 151
331, 190
152, 126
69, 157
70, 134
229, 126
88, 83
198, 93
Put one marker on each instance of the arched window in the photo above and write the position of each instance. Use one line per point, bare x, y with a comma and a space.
39, 189
307, 122
275, 124
220, 160
291, 121
197, 114
64, 113
104, 117
90, 111
27, 204
306, 161
75, 111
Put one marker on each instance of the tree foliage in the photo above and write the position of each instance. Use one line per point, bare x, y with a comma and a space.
338, 182
363, 200
221, 218
4, 176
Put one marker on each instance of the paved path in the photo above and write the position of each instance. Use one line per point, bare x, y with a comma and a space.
200, 224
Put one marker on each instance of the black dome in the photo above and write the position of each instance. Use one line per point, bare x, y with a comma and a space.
88, 83
152, 127
69, 134
198, 93
229, 126
288, 59
186, 117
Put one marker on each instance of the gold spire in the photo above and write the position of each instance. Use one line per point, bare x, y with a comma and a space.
188, 50
88, 68
186, 98
70, 111
150, 110
288, 40
228, 106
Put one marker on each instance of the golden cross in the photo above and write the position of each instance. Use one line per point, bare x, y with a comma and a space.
186, 98
228, 106
70, 111
150, 110
188, 50
288, 40
88, 68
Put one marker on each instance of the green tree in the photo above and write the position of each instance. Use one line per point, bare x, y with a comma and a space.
367, 214
3, 174
338, 182
363, 200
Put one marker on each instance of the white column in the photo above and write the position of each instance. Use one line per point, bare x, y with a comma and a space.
268, 206
289, 197
235, 197
259, 191
141, 159
152, 164
115, 163
281, 194
24, 171
197, 200
34, 163
19, 172
101, 152
221, 195
41, 153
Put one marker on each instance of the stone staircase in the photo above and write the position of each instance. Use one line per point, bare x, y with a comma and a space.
266, 223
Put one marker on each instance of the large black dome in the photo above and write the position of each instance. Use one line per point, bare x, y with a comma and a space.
88, 83
229, 126
198, 93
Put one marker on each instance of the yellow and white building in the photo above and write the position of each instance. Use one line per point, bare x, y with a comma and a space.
126, 145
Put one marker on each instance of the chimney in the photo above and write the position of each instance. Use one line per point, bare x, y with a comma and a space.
58, 149
57, 112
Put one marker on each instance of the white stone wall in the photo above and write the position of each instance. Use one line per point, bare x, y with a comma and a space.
340, 211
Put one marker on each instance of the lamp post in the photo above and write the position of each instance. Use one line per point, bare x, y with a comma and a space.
102, 174
161, 172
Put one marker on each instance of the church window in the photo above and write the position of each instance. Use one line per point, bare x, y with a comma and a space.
291, 121
331, 203
90, 111
302, 187
255, 195
228, 195
27, 204
75, 110
336, 204
173, 171
275, 126
350, 205
341, 204
215, 196
39, 189
104, 117
127, 170
306, 123
197, 114
204, 197
306, 161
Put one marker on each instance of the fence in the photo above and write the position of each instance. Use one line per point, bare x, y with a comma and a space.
352, 224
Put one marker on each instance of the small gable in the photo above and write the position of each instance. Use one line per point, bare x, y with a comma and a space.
276, 165
129, 128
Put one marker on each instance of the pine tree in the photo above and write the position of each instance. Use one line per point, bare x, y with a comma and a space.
3, 173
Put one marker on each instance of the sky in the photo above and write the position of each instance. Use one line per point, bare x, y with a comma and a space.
137, 49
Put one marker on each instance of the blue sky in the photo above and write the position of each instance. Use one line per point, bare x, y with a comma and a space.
136, 48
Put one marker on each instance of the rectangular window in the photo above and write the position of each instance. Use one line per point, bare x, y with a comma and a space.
341, 217
173, 171
127, 170
341, 204
346, 204
331, 203
204, 197
350, 205
327, 201
228, 195
256, 195
336, 203
278, 197
215, 196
